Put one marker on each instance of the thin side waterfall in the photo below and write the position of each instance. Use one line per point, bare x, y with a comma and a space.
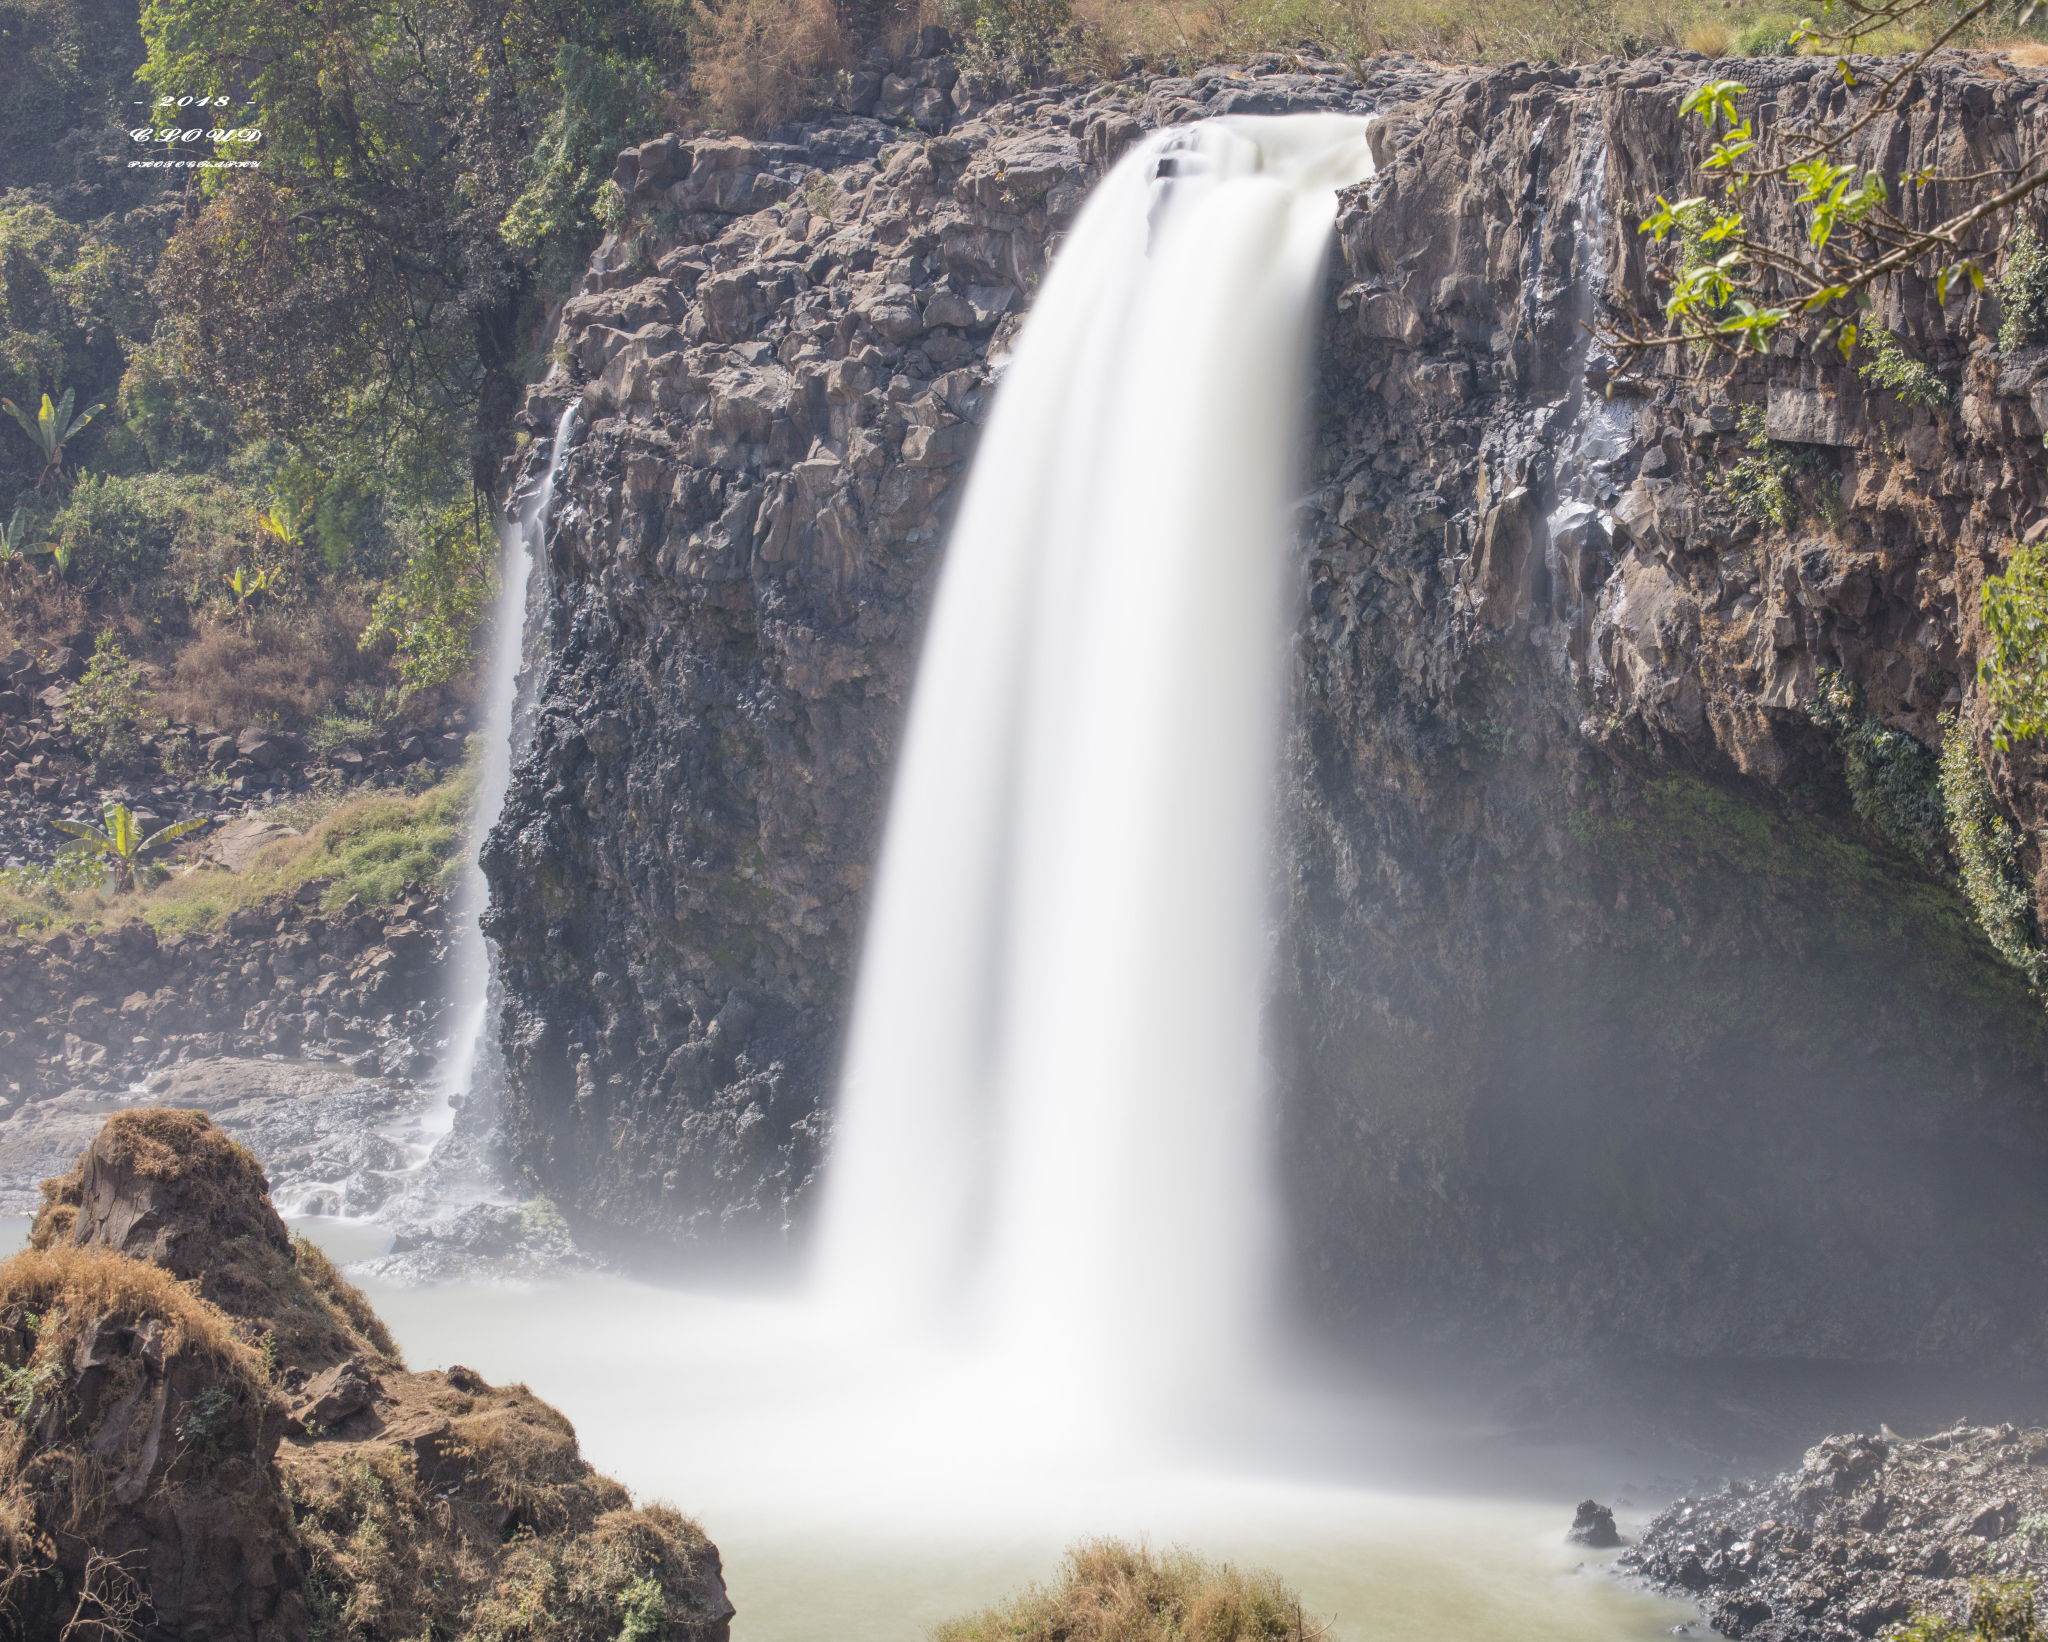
1052, 1125
520, 542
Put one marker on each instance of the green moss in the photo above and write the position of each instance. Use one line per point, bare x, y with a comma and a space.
1894, 780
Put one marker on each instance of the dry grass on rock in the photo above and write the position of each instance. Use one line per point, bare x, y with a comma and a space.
1109, 1590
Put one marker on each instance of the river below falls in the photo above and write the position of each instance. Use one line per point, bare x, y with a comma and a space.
861, 1494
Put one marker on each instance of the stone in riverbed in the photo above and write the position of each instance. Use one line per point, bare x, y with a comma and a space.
1594, 1526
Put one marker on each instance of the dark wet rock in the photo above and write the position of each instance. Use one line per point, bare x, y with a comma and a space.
1593, 1525
1868, 1532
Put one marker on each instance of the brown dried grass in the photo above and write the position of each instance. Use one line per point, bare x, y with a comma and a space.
284, 667
1109, 1590
758, 62
81, 1284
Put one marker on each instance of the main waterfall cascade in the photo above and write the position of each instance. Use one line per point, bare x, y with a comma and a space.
1051, 1130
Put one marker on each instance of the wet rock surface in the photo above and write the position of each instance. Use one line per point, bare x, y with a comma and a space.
1868, 1532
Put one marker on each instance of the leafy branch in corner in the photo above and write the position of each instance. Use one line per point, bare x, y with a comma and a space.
1733, 285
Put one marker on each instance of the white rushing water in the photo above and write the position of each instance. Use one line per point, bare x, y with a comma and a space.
1051, 1129
521, 542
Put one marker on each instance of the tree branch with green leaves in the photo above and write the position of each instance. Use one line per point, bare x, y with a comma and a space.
1734, 285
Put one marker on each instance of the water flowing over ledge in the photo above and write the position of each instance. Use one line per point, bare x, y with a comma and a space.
1051, 1115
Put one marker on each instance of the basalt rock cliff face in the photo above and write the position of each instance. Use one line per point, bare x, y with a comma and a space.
1603, 1022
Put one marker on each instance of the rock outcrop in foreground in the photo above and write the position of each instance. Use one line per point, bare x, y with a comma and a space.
1869, 1532
206, 1434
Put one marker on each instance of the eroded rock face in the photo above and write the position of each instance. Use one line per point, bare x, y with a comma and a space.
1866, 1533
212, 1437
1602, 1022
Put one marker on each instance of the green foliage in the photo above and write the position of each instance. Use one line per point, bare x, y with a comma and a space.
643, 1611
2000, 1611
1011, 37
110, 534
1894, 780
2014, 666
1760, 485
1771, 35
609, 102
121, 842
72, 299
2023, 291
26, 1392
105, 708
1914, 381
16, 535
431, 609
52, 428
203, 1425
1986, 849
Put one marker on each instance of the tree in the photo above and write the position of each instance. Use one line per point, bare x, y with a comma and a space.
1734, 285
430, 611
360, 285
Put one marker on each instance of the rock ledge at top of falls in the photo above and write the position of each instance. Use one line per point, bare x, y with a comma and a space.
1865, 1534
1602, 1023
213, 1430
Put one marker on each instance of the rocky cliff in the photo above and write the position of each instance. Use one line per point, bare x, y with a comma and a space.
1605, 1020
212, 1435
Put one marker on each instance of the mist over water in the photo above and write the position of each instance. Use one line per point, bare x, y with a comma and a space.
1051, 1130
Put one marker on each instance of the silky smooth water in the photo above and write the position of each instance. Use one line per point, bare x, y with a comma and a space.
1051, 1128
520, 545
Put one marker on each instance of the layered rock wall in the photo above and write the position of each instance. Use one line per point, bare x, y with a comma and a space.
1603, 1023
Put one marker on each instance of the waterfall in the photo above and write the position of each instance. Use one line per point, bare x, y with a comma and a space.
521, 540
1052, 1132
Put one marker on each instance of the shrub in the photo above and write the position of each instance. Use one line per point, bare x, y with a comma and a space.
1986, 848
2001, 1611
1914, 381
106, 707
2023, 291
2014, 666
1894, 780
608, 103
1016, 39
430, 611
1768, 36
1110, 1591
110, 535
1760, 485
760, 61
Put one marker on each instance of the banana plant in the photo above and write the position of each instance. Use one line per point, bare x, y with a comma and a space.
248, 581
14, 537
53, 428
121, 841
